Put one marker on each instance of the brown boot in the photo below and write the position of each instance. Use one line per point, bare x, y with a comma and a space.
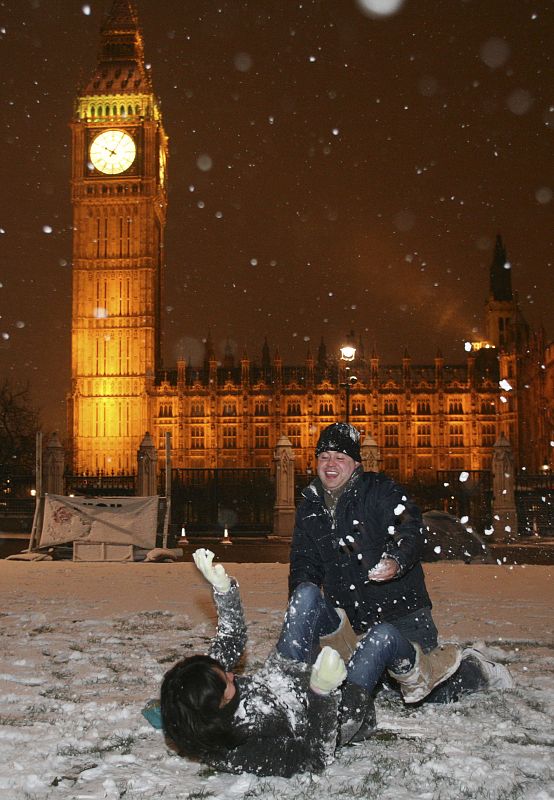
429, 670
343, 640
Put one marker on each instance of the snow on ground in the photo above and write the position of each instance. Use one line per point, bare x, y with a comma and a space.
85, 645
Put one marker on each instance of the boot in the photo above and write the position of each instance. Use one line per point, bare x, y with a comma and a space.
343, 640
476, 674
356, 714
429, 670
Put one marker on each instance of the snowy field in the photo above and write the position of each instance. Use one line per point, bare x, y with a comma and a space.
84, 646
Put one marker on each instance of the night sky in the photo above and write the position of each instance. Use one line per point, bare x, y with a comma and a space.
328, 170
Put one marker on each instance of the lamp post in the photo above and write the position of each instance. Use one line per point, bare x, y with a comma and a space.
348, 353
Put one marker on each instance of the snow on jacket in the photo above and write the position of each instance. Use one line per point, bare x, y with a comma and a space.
288, 727
335, 549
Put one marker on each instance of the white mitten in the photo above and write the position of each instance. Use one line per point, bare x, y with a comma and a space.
215, 575
328, 672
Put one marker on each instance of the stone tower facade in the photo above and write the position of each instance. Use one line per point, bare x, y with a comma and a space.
119, 209
232, 412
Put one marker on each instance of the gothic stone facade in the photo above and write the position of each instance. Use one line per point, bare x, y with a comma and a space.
423, 418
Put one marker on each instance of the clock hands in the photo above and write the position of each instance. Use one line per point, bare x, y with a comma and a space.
114, 151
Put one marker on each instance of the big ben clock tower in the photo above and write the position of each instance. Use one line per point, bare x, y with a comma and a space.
119, 207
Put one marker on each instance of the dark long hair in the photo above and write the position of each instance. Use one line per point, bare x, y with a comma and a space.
192, 717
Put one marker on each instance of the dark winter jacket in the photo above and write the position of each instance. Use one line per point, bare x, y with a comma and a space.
288, 727
373, 517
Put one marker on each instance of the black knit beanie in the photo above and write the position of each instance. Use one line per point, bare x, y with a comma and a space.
342, 438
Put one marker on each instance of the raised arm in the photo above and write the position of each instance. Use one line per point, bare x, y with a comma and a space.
229, 642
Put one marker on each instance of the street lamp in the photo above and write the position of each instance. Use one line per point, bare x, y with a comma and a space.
348, 353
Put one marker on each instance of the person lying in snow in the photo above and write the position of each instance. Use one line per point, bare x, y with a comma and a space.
292, 714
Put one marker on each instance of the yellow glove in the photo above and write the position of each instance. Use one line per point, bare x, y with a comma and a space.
215, 575
328, 672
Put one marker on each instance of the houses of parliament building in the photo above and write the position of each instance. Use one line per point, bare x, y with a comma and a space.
231, 414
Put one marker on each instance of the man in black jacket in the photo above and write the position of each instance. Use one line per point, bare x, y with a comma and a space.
359, 537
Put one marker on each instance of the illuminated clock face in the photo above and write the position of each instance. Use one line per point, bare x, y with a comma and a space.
112, 152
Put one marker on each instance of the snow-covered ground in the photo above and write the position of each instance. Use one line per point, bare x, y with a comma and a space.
85, 645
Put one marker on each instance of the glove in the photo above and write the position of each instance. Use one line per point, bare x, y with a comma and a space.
385, 570
215, 575
328, 672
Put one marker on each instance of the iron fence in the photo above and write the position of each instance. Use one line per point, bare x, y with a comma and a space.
535, 504
207, 499
101, 484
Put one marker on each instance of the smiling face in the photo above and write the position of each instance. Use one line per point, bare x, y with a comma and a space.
334, 469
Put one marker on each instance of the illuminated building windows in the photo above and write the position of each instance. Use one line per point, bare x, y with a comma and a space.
229, 409
456, 435
488, 434
166, 410
390, 407
358, 408
161, 437
261, 408
423, 436
455, 406
391, 435
229, 437
423, 407
488, 407
261, 437
326, 408
294, 409
197, 409
124, 234
197, 437
102, 235
294, 433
